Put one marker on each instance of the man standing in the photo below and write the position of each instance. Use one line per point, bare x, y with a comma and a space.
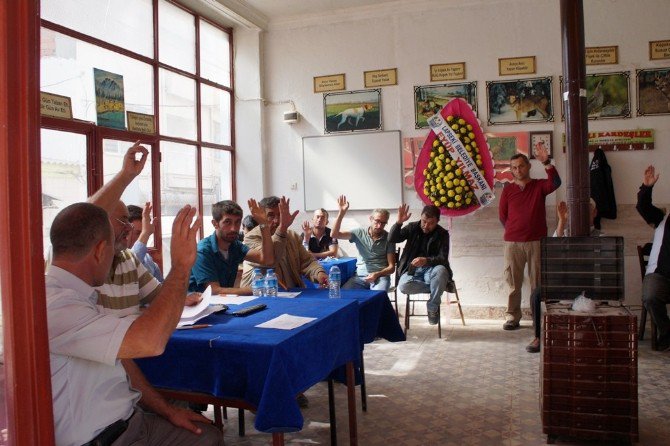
291, 260
98, 391
376, 256
656, 283
220, 254
522, 213
424, 263
143, 228
317, 237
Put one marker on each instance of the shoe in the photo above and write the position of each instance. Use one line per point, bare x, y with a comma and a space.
303, 402
433, 317
510, 325
663, 344
534, 346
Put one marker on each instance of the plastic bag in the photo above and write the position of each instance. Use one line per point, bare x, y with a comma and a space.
584, 304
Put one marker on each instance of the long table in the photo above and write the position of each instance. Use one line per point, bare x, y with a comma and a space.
263, 368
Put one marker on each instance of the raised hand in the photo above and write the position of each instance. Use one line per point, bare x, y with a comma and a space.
285, 217
541, 152
147, 221
342, 203
257, 212
306, 230
131, 165
184, 239
562, 210
650, 176
403, 214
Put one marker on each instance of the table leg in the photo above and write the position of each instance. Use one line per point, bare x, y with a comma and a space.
351, 397
278, 439
331, 412
364, 394
240, 422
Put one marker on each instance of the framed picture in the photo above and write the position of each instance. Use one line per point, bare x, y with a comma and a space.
653, 91
352, 111
519, 101
429, 99
607, 95
541, 139
503, 145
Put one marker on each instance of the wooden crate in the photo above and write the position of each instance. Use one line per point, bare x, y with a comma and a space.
589, 374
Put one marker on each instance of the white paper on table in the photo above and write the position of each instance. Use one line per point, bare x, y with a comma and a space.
230, 299
289, 294
286, 322
191, 315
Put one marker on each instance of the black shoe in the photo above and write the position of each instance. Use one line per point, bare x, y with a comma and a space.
663, 343
433, 317
510, 325
534, 346
303, 402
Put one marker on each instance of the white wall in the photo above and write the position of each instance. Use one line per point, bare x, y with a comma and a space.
410, 36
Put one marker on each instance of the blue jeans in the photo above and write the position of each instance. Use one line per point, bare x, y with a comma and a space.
357, 283
427, 279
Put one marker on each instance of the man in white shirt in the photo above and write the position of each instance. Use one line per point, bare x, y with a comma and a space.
98, 390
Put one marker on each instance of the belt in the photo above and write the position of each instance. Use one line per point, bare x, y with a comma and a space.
110, 433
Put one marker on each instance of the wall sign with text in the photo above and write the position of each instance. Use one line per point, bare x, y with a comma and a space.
333, 82
381, 78
516, 65
602, 55
447, 72
55, 105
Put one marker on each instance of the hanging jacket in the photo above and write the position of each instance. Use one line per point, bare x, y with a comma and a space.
602, 188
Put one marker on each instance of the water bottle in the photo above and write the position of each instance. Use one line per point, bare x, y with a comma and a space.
334, 282
271, 284
258, 283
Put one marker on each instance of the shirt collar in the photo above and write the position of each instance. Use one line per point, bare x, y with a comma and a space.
69, 280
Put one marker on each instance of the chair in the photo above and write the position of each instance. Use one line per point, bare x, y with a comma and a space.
394, 288
451, 289
643, 256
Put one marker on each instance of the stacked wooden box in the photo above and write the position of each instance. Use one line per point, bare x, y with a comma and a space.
589, 367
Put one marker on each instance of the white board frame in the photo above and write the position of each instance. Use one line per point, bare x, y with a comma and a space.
366, 167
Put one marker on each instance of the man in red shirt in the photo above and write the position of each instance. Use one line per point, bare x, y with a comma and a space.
523, 215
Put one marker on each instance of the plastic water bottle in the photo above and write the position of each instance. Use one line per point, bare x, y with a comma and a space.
258, 283
334, 279
271, 284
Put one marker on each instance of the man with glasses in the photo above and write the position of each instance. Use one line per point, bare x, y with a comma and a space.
129, 284
424, 263
376, 255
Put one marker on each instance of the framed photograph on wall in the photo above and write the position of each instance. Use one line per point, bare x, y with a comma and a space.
503, 145
541, 139
607, 95
429, 99
519, 101
352, 111
653, 91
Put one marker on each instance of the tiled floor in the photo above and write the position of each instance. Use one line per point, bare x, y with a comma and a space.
475, 386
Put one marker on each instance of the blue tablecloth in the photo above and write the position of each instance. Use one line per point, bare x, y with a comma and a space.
347, 267
377, 316
264, 367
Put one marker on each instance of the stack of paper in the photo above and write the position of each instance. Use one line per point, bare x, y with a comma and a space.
193, 314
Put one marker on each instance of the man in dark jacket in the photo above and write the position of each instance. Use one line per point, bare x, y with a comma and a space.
656, 283
424, 264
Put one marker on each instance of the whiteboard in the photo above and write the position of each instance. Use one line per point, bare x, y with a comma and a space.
366, 167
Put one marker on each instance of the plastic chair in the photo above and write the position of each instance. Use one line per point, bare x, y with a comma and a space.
394, 288
643, 256
451, 289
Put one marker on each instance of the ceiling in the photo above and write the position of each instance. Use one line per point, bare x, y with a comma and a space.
281, 9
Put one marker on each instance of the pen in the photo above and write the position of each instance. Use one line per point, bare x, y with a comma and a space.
194, 327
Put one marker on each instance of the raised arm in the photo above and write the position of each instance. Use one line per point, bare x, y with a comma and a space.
645, 208
343, 206
396, 235
110, 193
149, 333
266, 255
148, 227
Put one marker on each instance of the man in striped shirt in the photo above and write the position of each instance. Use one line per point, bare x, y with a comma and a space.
129, 284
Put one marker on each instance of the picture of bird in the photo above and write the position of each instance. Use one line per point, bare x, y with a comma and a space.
594, 101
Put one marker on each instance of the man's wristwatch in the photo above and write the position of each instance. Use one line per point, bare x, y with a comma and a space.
262, 226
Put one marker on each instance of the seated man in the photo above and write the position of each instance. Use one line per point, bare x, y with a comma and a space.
317, 238
536, 295
376, 255
220, 254
291, 260
143, 228
424, 263
98, 391
129, 284
656, 283
248, 223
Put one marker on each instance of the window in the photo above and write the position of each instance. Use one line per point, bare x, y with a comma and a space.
192, 155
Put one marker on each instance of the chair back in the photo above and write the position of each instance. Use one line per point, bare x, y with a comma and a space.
643, 256
397, 261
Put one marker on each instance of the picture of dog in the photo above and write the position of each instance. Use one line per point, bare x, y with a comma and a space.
353, 113
528, 106
519, 101
653, 91
430, 99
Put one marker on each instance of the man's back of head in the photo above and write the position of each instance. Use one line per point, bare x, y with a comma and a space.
77, 228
